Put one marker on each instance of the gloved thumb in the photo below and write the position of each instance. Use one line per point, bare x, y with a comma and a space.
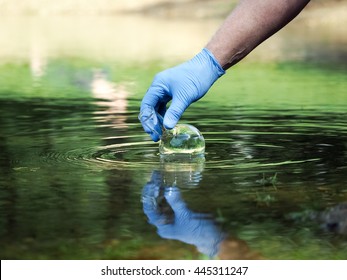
174, 113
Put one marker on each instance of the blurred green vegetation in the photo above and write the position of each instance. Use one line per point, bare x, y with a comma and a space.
264, 84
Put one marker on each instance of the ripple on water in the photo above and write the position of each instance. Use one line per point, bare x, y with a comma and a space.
253, 140
124, 155
220, 154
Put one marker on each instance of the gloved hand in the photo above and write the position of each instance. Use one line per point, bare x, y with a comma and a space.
183, 84
175, 221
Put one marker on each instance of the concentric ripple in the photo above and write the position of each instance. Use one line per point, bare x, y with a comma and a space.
251, 139
125, 155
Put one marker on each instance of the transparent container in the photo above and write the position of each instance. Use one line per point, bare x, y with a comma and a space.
183, 139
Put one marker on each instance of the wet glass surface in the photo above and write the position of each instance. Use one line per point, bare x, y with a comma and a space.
182, 139
79, 179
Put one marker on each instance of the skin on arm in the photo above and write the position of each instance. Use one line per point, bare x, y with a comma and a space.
248, 25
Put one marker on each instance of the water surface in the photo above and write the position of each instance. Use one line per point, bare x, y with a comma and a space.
80, 179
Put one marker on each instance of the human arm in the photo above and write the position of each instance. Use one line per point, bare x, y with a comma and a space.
249, 24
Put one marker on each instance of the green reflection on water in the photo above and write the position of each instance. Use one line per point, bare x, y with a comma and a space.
72, 167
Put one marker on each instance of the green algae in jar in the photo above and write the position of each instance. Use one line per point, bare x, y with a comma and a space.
183, 139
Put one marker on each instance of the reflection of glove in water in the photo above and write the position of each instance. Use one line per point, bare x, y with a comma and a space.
184, 84
178, 222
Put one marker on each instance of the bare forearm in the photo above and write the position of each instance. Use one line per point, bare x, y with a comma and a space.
249, 24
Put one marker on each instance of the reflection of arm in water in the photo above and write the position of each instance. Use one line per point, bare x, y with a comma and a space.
166, 210
248, 25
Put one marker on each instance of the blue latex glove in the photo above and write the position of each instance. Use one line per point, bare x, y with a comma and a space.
176, 221
183, 84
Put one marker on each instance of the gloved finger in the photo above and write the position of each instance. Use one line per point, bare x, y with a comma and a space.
152, 109
174, 113
151, 123
173, 197
153, 96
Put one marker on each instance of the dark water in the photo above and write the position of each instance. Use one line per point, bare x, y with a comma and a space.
79, 179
